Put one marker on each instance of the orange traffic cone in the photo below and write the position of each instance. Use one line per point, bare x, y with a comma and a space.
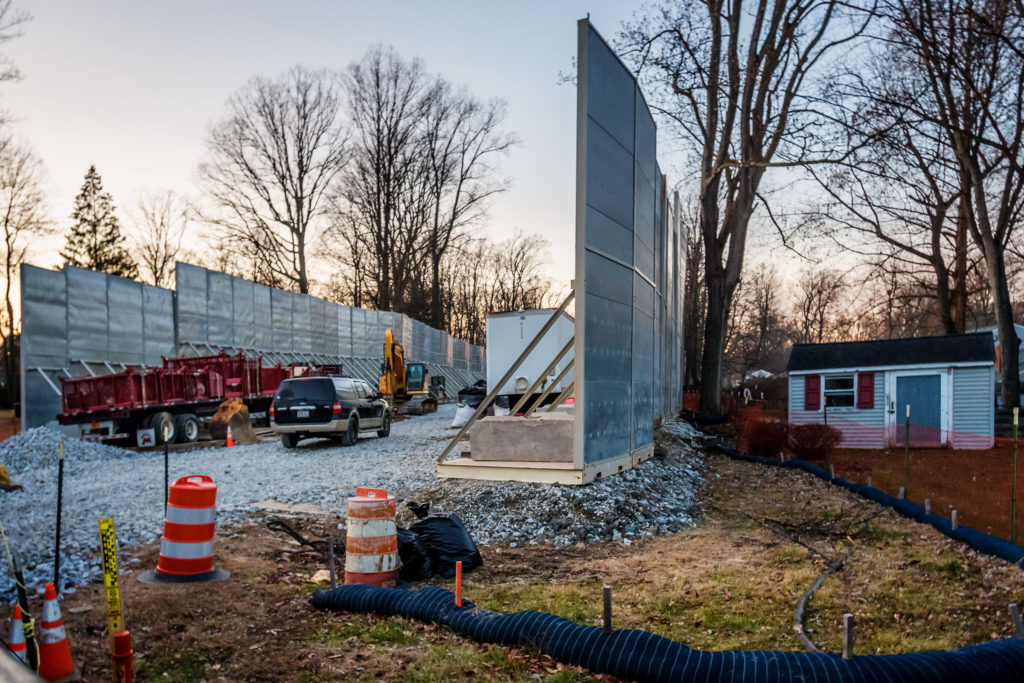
230, 442
16, 643
54, 650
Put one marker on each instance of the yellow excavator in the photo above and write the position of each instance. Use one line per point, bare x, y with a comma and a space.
405, 385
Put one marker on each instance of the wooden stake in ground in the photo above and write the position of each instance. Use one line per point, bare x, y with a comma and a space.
847, 636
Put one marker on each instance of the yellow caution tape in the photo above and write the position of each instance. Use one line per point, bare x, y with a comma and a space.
108, 545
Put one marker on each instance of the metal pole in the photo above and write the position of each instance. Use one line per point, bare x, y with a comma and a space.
547, 371
167, 479
504, 378
60, 498
1013, 482
906, 455
607, 609
544, 394
847, 636
561, 397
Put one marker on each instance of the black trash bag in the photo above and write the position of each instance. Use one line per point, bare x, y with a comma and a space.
416, 562
420, 510
448, 542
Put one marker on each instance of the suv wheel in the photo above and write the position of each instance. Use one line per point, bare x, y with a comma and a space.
351, 434
289, 440
385, 425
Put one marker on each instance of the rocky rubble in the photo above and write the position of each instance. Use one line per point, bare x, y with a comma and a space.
39, 446
103, 481
655, 498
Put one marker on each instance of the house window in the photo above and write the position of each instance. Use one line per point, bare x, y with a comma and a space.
839, 391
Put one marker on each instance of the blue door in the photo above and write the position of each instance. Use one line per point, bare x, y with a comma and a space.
923, 394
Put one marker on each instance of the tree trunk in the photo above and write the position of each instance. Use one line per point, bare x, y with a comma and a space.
436, 307
1009, 344
714, 341
959, 303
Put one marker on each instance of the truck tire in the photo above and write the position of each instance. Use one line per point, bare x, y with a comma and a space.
385, 425
289, 440
163, 427
187, 428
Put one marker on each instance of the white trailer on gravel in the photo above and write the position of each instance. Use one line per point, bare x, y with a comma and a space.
508, 335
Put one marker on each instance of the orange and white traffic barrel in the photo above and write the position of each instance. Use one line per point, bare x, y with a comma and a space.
186, 548
371, 545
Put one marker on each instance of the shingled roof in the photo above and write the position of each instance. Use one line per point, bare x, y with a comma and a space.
950, 348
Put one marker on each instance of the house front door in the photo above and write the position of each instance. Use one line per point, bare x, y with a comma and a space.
923, 393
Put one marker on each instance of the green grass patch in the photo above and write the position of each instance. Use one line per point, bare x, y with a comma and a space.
390, 631
465, 662
170, 665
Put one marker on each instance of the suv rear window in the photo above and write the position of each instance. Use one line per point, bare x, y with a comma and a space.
320, 390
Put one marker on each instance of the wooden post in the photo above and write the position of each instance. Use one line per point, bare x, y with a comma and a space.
832, 471
927, 506
902, 494
607, 609
906, 454
330, 559
953, 520
1018, 626
1013, 482
847, 636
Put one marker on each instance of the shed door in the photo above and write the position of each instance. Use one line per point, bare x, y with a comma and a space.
923, 394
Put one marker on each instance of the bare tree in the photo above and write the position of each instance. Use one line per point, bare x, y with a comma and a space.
11, 24
694, 293
519, 281
384, 196
816, 309
759, 336
735, 81
972, 87
23, 219
461, 136
161, 220
273, 160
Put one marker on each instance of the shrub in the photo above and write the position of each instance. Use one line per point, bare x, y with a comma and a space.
767, 439
814, 441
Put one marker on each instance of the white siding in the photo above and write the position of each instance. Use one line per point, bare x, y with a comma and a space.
973, 407
860, 428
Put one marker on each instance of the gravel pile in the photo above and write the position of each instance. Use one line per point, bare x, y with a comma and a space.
39, 446
656, 498
102, 481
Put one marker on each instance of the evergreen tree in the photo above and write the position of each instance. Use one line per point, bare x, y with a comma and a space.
95, 240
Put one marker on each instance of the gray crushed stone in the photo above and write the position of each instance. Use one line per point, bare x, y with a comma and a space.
104, 481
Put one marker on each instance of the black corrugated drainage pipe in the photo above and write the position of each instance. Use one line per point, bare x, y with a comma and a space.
643, 656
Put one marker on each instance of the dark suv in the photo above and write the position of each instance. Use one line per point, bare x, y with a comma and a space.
328, 406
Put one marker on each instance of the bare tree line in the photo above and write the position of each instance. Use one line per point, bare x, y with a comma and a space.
906, 115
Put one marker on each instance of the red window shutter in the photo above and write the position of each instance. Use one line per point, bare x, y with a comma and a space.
865, 390
812, 392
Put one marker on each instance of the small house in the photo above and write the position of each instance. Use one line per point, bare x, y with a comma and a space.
865, 389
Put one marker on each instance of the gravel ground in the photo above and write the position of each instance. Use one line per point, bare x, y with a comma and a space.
102, 481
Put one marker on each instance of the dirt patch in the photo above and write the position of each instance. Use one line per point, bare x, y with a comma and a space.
730, 583
975, 483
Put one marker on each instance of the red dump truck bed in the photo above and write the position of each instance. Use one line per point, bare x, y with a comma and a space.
112, 406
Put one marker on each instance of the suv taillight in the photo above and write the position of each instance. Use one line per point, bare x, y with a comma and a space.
337, 409
271, 411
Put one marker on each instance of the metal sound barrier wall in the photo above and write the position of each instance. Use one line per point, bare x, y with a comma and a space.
78, 322
628, 309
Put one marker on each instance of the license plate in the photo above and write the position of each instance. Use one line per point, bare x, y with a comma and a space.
302, 413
